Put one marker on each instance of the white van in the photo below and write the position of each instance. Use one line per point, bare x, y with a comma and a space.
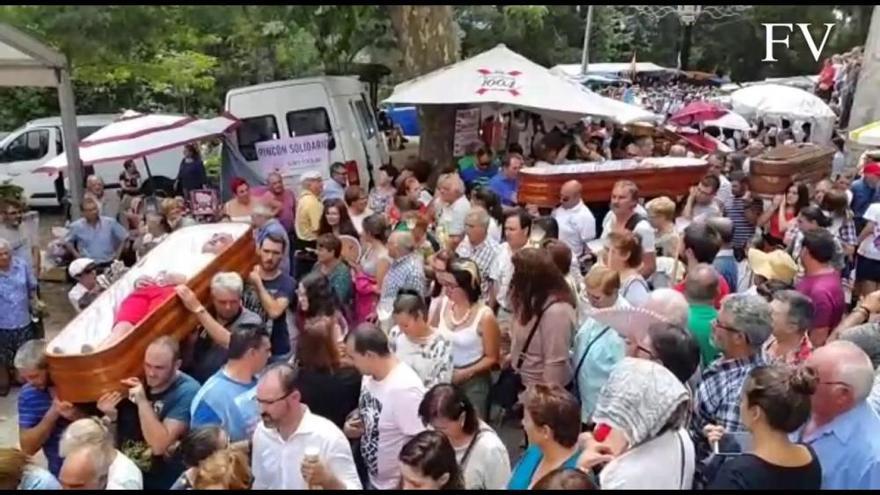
29, 147
336, 105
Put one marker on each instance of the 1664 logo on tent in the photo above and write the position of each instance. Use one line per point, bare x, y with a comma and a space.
498, 80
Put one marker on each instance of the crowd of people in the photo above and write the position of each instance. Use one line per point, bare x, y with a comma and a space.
390, 338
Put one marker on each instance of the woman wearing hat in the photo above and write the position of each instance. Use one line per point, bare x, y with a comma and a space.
771, 271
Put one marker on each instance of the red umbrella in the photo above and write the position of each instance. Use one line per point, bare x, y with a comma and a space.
696, 112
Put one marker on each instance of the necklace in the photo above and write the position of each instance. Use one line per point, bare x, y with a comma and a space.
455, 322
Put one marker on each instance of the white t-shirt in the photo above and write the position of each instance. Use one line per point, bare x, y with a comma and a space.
867, 248
494, 230
390, 412
501, 273
75, 294
577, 226
358, 220
654, 465
643, 229
452, 217
276, 462
488, 464
124, 474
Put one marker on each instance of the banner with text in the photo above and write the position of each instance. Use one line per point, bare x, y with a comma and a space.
293, 156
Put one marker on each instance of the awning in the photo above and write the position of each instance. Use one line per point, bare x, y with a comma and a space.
136, 135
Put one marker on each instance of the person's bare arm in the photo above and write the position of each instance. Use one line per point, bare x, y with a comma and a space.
867, 232
767, 215
688, 210
71, 249
274, 307
491, 336
159, 435
218, 333
381, 270
649, 265
32, 439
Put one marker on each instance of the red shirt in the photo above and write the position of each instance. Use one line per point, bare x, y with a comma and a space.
723, 290
140, 303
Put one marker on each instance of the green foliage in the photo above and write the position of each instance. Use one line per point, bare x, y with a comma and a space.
183, 58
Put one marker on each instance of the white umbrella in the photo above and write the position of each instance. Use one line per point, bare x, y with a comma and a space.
784, 102
501, 77
731, 120
136, 135
868, 135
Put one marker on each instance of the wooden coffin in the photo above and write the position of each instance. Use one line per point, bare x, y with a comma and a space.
654, 176
776, 169
83, 377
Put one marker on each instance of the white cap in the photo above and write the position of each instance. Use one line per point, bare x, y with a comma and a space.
311, 175
79, 265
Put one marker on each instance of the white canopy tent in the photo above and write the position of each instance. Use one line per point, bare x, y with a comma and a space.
501, 78
25, 61
574, 70
773, 102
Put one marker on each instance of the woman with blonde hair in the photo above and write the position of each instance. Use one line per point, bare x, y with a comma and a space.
19, 472
661, 215
124, 473
597, 348
225, 469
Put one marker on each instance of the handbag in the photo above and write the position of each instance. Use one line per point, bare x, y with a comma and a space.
572, 386
505, 391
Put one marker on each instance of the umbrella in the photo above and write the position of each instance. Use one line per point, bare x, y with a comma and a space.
500, 77
867, 135
136, 135
730, 120
697, 112
631, 323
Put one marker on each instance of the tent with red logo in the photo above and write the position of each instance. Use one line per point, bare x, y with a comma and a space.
502, 79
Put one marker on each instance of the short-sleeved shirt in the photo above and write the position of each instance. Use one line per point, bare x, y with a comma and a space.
208, 356
172, 403
33, 404
16, 285
21, 243
700, 319
870, 247
98, 242
308, 216
227, 403
826, 292
475, 176
279, 329
750, 472
524, 471
505, 188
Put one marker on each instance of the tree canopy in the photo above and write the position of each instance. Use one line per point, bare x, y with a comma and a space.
184, 58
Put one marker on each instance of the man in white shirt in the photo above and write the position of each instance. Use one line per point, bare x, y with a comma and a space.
86, 289
294, 449
517, 228
478, 246
451, 208
703, 202
624, 215
716, 168
387, 415
577, 225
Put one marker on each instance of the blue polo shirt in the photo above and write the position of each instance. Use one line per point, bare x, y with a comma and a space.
475, 176
98, 242
862, 197
504, 188
33, 404
227, 403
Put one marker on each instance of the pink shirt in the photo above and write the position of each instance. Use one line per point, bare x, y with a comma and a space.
286, 215
826, 291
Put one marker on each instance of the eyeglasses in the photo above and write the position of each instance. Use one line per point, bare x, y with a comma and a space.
264, 402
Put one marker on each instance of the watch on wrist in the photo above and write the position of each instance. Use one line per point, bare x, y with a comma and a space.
200, 310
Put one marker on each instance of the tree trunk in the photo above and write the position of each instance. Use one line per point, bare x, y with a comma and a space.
428, 39
866, 102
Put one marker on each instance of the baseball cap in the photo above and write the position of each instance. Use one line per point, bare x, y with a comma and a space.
871, 168
79, 266
775, 265
310, 175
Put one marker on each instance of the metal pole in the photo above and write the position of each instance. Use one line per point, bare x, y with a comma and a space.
71, 140
585, 58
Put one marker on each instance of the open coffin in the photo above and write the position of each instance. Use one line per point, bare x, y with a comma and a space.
654, 176
84, 377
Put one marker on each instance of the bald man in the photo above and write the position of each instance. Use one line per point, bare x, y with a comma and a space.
279, 199
577, 225
843, 430
86, 468
677, 151
700, 288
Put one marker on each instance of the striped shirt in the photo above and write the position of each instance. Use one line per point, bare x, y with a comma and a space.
743, 230
483, 255
33, 404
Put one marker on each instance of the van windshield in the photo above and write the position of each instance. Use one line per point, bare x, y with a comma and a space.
255, 130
